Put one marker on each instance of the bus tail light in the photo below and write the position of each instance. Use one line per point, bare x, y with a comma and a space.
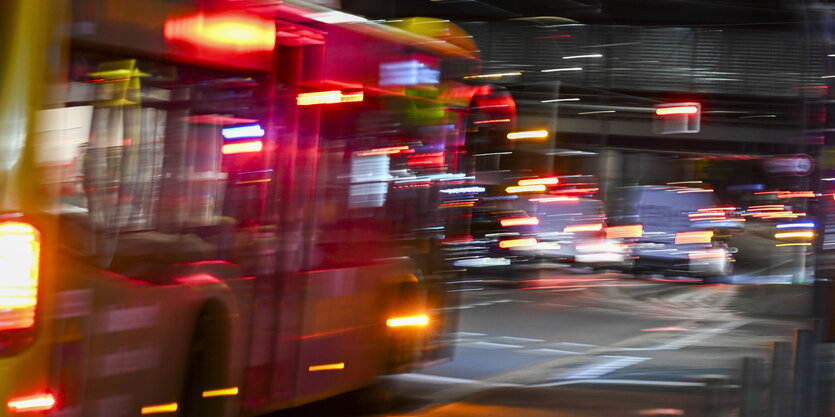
20, 247
32, 403
419, 320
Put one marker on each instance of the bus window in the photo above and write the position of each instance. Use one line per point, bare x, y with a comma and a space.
138, 149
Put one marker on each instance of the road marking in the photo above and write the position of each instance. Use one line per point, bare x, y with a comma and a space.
595, 370
701, 335
692, 338
445, 380
483, 304
622, 382
576, 344
665, 329
511, 339
488, 345
546, 351
464, 334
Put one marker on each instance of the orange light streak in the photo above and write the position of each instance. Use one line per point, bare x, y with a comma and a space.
525, 188
796, 194
515, 243
589, 227
704, 236
620, 232
326, 367
519, 221
419, 320
242, 147
20, 248
542, 181
160, 408
32, 403
492, 121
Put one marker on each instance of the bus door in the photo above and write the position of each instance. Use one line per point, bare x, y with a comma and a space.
331, 320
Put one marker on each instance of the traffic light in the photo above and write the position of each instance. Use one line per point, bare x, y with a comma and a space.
677, 118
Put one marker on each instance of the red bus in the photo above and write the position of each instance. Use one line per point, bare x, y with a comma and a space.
223, 207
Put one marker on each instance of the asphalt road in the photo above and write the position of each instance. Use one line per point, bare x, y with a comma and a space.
602, 343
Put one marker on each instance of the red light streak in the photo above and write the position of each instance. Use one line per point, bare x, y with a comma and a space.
796, 194
492, 121
580, 191
424, 159
387, 151
458, 239
668, 111
554, 199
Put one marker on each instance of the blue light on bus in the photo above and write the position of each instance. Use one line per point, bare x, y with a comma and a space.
796, 226
248, 131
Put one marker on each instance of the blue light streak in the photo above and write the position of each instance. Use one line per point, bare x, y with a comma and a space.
248, 131
796, 226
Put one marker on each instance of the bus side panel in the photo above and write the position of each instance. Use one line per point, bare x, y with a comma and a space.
118, 344
341, 330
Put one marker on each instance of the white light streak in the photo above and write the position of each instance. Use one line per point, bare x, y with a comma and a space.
557, 100
563, 69
583, 56
597, 112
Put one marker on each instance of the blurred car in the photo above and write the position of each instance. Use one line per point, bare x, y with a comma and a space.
674, 230
573, 229
498, 237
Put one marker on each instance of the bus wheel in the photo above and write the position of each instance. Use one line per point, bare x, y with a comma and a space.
204, 368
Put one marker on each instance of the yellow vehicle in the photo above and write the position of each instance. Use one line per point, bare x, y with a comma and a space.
220, 208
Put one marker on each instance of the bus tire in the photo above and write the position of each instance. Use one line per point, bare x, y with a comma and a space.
205, 365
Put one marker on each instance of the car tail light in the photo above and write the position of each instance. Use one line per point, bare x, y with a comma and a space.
519, 221
20, 250
515, 243
702, 236
625, 232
